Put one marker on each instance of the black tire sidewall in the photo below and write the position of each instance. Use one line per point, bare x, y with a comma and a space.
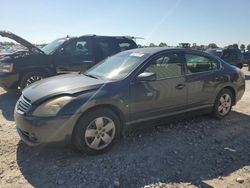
216, 114
28, 75
78, 138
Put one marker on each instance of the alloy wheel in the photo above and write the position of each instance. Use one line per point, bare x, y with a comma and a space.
100, 133
33, 79
224, 104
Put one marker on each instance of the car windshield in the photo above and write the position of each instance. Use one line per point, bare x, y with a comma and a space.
51, 47
118, 66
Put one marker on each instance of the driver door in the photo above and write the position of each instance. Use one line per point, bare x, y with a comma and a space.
75, 56
166, 94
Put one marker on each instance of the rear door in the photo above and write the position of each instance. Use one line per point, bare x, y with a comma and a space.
167, 94
202, 78
77, 55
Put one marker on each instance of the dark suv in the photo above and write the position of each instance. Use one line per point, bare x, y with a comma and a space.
64, 55
233, 56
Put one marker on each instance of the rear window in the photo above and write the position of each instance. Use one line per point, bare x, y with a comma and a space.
199, 63
126, 44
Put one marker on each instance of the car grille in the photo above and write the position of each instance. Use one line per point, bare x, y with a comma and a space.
23, 105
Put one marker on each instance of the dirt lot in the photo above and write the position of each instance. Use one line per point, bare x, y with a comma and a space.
199, 152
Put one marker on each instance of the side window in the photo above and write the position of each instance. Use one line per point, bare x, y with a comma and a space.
80, 47
197, 63
106, 47
166, 66
126, 45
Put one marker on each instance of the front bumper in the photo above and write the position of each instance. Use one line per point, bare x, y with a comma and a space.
41, 130
8, 80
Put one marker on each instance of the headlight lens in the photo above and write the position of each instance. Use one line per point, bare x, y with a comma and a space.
51, 107
6, 67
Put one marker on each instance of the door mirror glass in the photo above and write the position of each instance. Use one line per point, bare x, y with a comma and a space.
146, 76
61, 51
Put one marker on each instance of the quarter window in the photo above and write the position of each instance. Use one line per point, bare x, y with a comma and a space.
196, 63
126, 45
166, 66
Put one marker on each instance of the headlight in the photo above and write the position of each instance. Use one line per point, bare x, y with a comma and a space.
6, 67
52, 107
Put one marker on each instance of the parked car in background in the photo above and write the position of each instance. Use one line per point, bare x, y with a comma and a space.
133, 86
64, 55
233, 56
246, 56
216, 51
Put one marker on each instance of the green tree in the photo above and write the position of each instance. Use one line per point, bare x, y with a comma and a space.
242, 47
163, 44
233, 46
197, 47
202, 47
248, 47
152, 45
212, 45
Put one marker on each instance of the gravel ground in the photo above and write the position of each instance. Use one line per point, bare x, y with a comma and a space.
198, 152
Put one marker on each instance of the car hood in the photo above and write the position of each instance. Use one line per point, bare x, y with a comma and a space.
31, 47
15, 54
62, 84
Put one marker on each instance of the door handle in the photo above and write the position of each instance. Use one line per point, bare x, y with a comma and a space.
180, 86
87, 61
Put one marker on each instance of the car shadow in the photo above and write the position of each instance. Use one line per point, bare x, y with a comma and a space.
7, 104
191, 150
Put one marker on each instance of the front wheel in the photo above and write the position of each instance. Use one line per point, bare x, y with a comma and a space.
30, 78
223, 104
96, 131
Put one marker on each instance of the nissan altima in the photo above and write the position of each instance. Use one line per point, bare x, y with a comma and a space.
92, 108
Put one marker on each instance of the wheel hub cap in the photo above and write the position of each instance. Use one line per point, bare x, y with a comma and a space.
224, 104
33, 79
100, 133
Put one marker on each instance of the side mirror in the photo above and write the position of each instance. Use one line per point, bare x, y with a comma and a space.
61, 50
146, 76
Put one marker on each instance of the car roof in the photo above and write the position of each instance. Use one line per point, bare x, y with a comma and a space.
106, 36
154, 50
98, 36
214, 49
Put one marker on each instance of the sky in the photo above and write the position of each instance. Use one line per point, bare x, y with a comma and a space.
171, 21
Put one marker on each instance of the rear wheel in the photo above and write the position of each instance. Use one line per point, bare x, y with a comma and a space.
30, 78
223, 104
96, 131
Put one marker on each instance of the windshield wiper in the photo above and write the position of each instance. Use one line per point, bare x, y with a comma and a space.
91, 76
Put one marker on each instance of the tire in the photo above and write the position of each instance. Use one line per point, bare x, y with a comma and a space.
223, 104
88, 139
27, 78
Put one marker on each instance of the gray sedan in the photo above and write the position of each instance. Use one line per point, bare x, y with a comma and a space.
92, 108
